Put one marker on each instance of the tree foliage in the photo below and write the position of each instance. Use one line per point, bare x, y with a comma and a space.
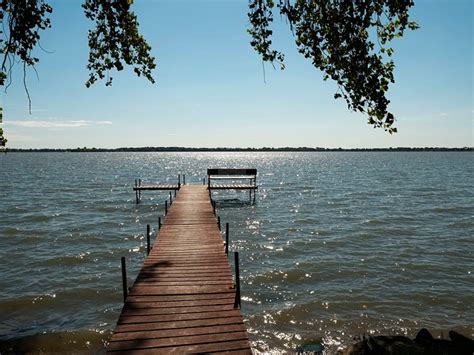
21, 22
348, 40
115, 41
3, 140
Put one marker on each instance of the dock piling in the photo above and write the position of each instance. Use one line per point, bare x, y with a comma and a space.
124, 279
219, 222
166, 207
171, 198
148, 239
184, 179
159, 223
237, 280
227, 238
139, 191
136, 191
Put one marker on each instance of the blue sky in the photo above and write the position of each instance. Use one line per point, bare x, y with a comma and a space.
210, 90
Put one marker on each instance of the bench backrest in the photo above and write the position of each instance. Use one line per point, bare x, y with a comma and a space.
231, 171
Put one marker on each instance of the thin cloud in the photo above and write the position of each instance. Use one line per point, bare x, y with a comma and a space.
55, 124
21, 138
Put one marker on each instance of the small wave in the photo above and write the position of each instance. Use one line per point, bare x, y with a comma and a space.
374, 222
467, 222
234, 202
15, 210
70, 342
321, 232
87, 294
25, 303
108, 209
307, 221
392, 231
39, 218
67, 260
457, 209
277, 277
9, 231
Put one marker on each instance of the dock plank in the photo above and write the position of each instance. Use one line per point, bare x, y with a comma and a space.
175, 340
182, 300
195, 323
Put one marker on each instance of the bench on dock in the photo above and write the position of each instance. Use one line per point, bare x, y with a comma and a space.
240, 179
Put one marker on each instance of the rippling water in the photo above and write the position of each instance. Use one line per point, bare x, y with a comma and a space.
337, 245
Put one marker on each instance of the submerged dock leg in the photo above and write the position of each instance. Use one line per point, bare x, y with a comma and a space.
227, 238
237, 280
148, 239
136, 191
124, 279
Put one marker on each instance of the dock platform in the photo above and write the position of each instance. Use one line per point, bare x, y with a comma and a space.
183, 300
139, 187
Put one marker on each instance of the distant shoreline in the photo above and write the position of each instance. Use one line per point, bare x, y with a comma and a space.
222, 149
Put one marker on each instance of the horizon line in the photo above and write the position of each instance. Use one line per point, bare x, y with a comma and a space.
231, 149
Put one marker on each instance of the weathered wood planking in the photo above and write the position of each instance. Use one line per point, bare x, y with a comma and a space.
183, 298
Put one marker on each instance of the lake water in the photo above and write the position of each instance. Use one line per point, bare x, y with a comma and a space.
338, 244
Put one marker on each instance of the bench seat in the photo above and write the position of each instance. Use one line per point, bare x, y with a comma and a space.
235, 175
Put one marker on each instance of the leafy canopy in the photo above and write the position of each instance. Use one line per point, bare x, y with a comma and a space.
338, 37
348, 40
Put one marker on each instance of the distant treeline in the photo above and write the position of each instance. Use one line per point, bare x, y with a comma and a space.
264, 149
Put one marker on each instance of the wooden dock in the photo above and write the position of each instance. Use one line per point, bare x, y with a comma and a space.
183, 298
